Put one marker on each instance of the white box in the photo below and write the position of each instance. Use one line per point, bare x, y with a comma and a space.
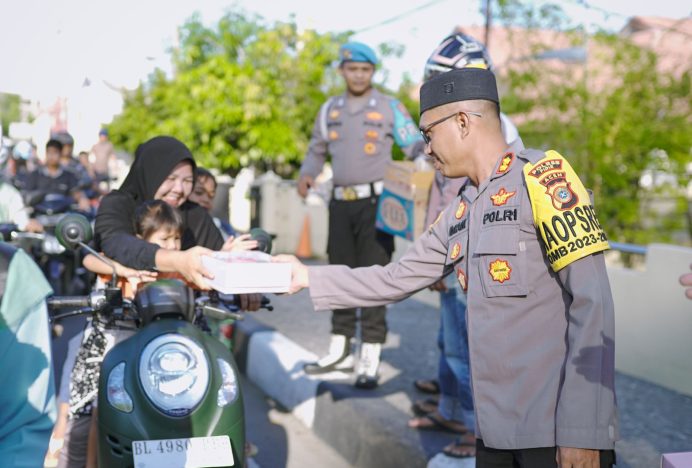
247, 272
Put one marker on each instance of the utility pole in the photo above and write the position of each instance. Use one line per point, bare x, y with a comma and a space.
488, 24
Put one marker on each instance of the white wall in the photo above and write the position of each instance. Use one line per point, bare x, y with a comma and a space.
653, 319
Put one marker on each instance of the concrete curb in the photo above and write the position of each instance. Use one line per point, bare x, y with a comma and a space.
354, 422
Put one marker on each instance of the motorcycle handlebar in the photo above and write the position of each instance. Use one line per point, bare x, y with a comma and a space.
64, 302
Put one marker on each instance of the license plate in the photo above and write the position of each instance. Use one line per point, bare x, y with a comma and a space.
192, 452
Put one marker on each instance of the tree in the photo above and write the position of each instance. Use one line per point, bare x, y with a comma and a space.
618, 118
9, 110
242, 93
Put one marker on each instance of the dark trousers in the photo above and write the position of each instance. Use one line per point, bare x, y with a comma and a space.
542, 457
354, 241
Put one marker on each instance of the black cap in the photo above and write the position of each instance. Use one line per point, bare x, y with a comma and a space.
464, 84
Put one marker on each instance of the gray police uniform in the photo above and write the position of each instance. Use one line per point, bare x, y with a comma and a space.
359, 143
527, 248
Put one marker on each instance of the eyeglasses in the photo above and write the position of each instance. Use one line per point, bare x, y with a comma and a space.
424, 131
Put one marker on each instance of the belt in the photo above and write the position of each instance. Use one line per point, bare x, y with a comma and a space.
357, 192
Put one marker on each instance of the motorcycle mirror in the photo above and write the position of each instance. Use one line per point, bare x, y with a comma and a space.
263, 238
73, 230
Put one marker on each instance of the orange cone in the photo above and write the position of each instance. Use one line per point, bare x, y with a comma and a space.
304, 249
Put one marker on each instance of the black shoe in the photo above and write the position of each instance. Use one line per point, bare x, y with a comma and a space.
365, 382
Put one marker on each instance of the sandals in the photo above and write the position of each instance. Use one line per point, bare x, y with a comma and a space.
468, 449
423, 407
435, 422
431, 386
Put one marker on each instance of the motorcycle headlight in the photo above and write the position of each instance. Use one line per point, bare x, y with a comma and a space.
174, 373
228, 391
116, 393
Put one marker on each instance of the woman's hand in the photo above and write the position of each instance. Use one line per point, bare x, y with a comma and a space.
188, 263
239, 244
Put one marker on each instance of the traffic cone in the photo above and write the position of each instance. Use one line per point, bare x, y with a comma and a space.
304, 249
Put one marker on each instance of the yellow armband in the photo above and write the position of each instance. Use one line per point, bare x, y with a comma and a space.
562, 211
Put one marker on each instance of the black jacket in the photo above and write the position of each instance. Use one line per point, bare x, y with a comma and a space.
115, 231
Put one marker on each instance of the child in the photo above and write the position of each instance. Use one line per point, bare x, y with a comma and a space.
158, 223
204, 193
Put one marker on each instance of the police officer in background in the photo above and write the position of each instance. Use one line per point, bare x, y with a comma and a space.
357, 129
524, 243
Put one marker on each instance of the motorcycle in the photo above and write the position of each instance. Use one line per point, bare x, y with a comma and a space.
62, 267
168, 395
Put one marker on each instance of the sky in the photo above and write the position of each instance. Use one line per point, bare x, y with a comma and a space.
48, 48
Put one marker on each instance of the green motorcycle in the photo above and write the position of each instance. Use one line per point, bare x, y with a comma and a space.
168, 394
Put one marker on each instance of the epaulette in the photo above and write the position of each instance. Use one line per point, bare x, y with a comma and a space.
531, 155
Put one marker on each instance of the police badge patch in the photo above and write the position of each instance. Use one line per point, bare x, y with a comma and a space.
500, 270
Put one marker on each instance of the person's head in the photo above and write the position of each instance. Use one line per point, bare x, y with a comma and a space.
457, 51
163, 170
460, 114
357, 67
67, 144
54, 149
159, 223
84, 158
204, 190
103, 134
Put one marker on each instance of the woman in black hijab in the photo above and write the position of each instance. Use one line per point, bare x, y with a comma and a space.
164, 170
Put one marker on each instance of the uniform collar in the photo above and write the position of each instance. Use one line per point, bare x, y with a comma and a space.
508, 160
375, 96
504, 165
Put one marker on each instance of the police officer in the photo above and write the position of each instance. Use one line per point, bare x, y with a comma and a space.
523, 241
357, 129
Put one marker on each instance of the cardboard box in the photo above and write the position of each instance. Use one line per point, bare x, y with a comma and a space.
404, 200
247, 272
676, 460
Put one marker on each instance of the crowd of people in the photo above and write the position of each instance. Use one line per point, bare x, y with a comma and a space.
505, 279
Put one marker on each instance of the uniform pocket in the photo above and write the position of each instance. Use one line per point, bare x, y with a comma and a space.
502, 263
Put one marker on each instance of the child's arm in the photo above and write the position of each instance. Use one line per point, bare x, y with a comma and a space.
93, 264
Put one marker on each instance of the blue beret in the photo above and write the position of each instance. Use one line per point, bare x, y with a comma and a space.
357, 52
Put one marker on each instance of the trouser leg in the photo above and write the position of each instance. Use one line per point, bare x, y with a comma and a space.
372, 247
341, 249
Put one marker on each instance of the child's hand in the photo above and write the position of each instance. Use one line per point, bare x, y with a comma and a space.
144, 276
239, 244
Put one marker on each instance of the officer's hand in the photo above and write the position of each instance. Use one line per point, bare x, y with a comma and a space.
569, 457
189, 264
299, 272
438, 285
305, 183
250, 302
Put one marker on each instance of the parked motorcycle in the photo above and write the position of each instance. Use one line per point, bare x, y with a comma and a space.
168, 395
62, 267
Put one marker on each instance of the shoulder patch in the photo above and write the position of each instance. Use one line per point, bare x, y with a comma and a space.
562, 211
405, 131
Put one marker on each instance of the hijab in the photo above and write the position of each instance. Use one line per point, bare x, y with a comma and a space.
155, 159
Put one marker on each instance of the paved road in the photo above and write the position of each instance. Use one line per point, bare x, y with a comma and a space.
282, 440
653, 420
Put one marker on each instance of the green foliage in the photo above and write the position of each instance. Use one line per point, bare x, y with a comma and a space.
244, 93
621, 124
9, 110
